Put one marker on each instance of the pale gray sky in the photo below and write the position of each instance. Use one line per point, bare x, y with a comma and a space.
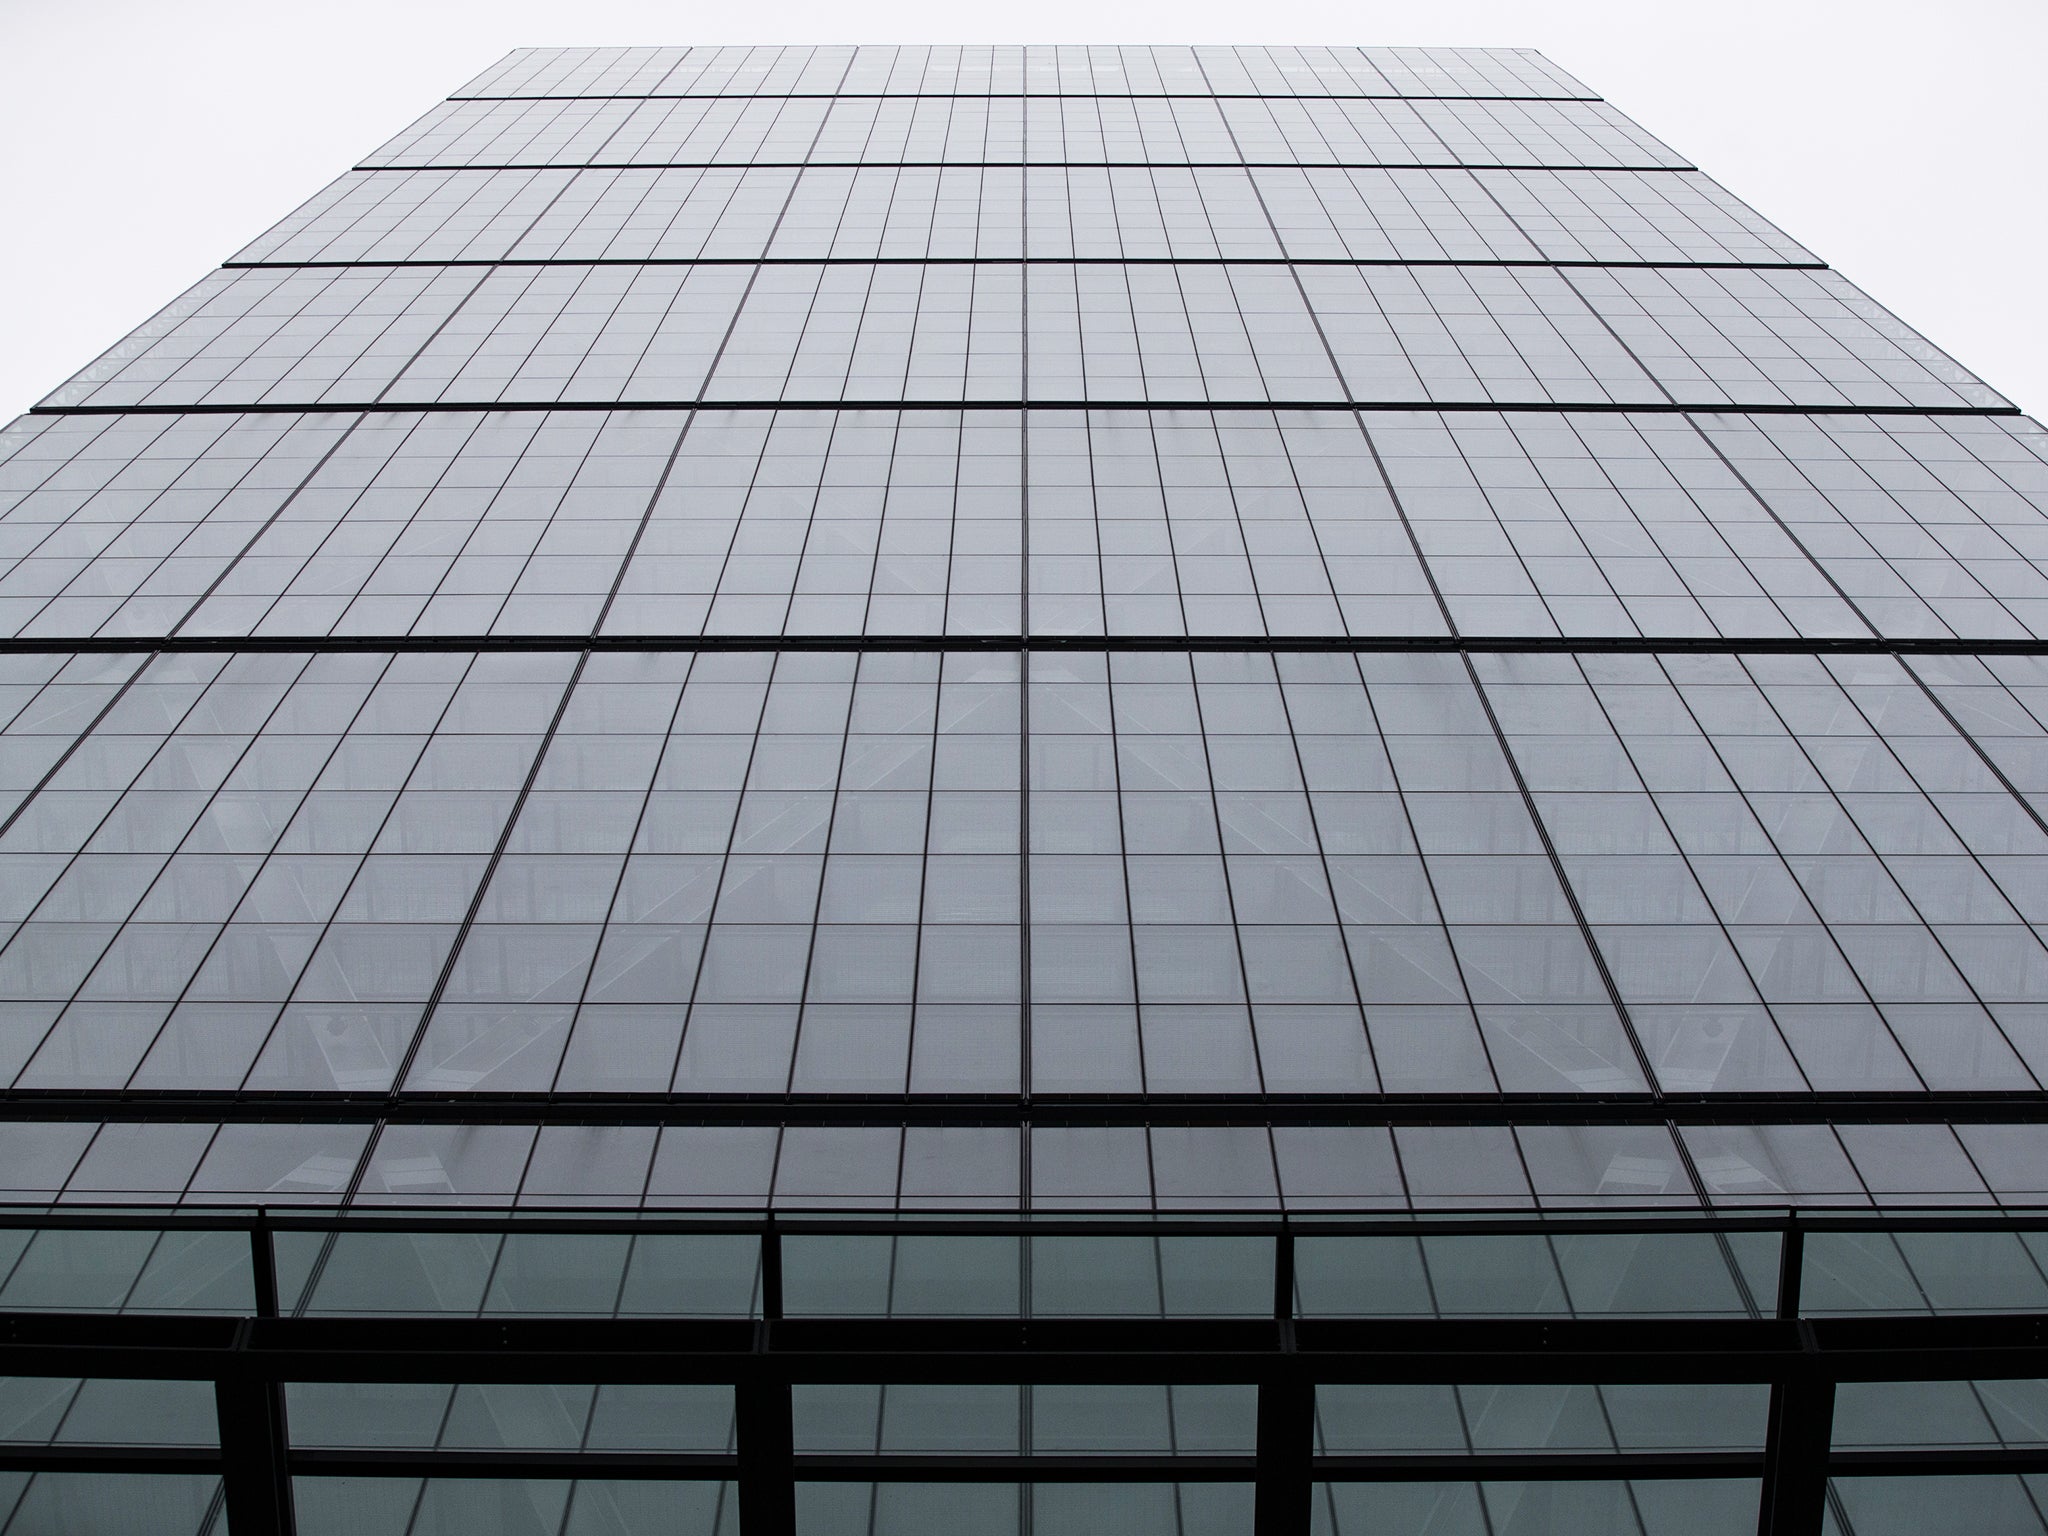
142, 142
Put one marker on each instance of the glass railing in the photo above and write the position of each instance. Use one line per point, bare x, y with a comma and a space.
247, 1261
666, 1371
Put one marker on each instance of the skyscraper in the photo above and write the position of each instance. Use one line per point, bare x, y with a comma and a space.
1161, 790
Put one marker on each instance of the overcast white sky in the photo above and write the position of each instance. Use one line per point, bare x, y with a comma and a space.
142, 142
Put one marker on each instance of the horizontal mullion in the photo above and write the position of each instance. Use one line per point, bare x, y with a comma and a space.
667, 1466
1005, 165
1563, 645
1517, 407
99, 1458
1004, 96
1040, 1109
407, 1462
591, 1219
1023, 261
1537, 1466
940, 1467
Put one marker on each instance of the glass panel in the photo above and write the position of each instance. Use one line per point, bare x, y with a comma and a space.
1895, 1506
1905, 1415
1722, 1507
1167, 1276
405, 1506
172, 1504
1364, 1420
1089, 1509
915, 1275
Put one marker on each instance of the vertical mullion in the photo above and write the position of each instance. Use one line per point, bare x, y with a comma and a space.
1796, 1444
1801, 1423
257, 1486
1283, 1483
762, 1413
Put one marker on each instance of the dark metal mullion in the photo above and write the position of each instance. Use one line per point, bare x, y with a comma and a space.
685, 94
764, 1433
256, 1482
319, 264
1389, 644
752, 404
1798, 1433
1283, 1489
632, 1219
1362, 165
1006, 1109
689, 1466
1911, 1346
698, 1466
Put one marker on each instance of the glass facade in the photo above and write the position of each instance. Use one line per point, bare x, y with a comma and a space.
1182, 791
